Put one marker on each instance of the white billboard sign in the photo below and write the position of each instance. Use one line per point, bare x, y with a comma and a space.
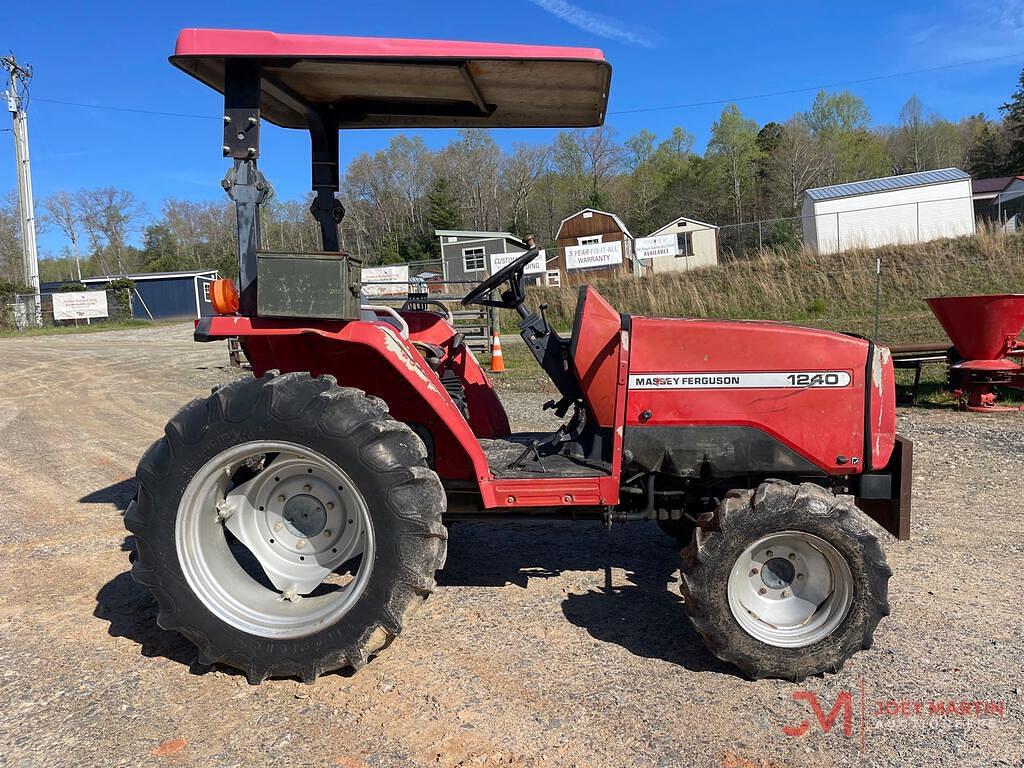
659, 245
397, 275
79, 305
533, 267
596, 255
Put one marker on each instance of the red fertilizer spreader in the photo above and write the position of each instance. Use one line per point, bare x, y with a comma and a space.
984, 330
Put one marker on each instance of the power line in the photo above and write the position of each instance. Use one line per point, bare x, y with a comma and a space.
125, 109
792, 91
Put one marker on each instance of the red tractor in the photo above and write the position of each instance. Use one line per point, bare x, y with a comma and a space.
292, 522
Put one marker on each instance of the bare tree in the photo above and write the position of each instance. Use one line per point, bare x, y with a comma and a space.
109, 215
797, 161
519, 174
473, 163
63, 211
604, 159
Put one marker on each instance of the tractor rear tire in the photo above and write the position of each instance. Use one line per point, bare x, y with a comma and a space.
785, 581
247, 430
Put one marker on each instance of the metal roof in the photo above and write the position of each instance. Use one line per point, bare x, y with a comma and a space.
475, 234
151, 275
904, 181
372, 82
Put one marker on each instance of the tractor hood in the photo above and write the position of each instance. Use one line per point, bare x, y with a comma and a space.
370, 82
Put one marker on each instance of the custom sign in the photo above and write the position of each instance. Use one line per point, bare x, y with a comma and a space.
596, 255
533, 267
773, 380
397, 274
79, 305
659, 245
553, 278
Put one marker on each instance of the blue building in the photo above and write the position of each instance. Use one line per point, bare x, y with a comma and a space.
166, 295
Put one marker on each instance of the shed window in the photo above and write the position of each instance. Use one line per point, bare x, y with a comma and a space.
591, 240
684, 244
473, 259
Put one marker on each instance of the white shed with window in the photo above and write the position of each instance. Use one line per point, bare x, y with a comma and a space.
910, 208
679, 245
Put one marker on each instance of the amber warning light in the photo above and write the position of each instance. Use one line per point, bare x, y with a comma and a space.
224, 297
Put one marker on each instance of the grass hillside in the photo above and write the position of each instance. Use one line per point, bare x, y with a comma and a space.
835, 292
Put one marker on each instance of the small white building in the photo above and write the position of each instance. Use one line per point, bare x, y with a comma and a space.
679, 245
911, 208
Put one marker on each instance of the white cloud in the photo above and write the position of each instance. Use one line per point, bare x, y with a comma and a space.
596, 24
964, 30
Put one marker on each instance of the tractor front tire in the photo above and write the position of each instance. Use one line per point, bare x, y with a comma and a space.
287, 526
785, 581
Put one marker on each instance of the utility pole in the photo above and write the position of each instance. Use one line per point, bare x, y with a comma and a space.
19, 77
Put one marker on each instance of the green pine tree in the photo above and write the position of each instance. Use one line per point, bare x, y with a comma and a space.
390, 252
444, 210
1013, 120
986, 149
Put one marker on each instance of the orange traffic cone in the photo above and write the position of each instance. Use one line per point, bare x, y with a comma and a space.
497, 361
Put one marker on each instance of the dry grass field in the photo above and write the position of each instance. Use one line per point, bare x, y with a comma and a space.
835, 292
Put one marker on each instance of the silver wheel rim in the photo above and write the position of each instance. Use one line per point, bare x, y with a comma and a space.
790, 589
304, 543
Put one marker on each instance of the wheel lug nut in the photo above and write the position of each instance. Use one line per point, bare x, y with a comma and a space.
768, 553
281, 497
785, 593
753, 571
300, 543
278, 526
330, 505
307, 488
762, 591
327, 532
800, 577
792, 555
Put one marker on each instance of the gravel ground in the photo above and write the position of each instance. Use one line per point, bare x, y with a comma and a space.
521, 658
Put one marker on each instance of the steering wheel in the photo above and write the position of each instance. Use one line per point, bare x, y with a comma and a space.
514, 274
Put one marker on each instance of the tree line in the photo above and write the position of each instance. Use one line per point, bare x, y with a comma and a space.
396, 197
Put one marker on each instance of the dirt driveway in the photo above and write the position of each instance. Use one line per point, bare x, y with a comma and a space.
521, 658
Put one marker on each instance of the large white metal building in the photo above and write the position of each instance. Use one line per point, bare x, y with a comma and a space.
910, 208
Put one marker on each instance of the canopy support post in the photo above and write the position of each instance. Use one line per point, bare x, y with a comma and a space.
326, 208
244, 183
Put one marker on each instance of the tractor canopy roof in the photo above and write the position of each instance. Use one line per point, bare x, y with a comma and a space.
369, 82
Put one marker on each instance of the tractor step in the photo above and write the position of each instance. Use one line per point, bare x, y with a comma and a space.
527, 455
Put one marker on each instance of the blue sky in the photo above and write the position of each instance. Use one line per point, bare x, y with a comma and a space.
662, 52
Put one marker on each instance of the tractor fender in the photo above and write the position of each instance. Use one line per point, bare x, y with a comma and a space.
371, 356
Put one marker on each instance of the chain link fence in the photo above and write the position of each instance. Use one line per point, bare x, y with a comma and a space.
74, 308
844, 229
